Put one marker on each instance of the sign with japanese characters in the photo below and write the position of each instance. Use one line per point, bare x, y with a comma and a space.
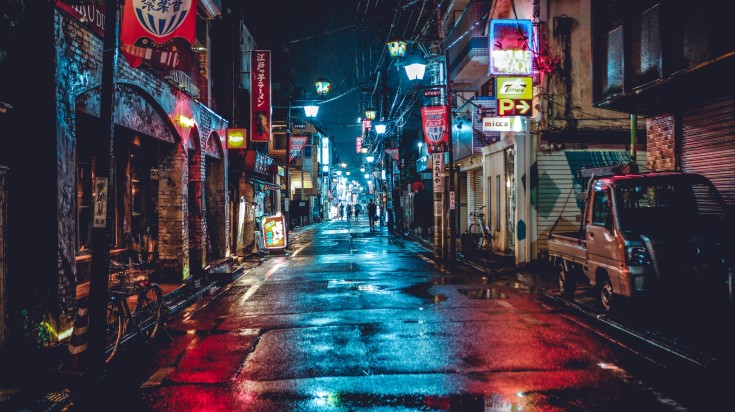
434, 121
296, 145
100, 202
274, 232
260, 96
147, 25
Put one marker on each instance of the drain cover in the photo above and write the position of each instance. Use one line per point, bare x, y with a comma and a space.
485, 293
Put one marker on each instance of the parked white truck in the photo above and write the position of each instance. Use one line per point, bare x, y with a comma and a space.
646, 232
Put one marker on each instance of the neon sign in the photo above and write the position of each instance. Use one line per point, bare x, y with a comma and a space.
511, 42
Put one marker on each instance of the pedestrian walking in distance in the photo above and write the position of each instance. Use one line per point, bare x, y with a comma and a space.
358, 209
341, 211
348, 212
371, 208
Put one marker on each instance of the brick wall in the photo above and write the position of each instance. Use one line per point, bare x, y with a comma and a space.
661, 146
78, 71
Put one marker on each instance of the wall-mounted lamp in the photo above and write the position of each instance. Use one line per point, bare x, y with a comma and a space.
185, 121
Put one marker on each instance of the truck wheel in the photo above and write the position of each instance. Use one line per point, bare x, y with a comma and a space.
605, 291
567, 285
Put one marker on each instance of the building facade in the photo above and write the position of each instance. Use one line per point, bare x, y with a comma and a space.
168, 166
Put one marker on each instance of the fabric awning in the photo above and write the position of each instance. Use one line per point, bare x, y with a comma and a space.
263, 184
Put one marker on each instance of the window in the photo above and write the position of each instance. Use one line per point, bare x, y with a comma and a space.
601, 210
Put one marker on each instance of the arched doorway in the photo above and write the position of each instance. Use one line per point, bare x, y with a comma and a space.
215, 199
195, 204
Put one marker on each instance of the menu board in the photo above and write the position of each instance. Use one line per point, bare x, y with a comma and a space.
274, 232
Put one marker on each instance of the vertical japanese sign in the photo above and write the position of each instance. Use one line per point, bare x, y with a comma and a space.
154, 30
438, 180
274, 233
260, 96
511, 43
358, 144
434, 121
100, 203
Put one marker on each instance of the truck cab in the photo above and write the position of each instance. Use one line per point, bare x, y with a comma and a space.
647, 232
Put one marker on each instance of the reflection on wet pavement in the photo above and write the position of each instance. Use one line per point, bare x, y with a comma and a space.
486, 293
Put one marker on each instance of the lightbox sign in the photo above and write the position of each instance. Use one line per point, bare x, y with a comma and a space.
511, 42
502, 124
237, 138
274, 232
514, 95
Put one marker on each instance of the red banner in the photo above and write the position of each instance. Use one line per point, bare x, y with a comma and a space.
296, 145
434, 121
394, 153
154, 30
358, 144
260, 96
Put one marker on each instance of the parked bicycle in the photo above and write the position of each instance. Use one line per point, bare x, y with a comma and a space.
134, 307
479, 232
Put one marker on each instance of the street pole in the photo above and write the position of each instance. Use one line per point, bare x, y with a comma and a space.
287, 199
448, 91
104, 198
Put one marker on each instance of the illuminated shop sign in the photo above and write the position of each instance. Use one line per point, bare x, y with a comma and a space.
511, 42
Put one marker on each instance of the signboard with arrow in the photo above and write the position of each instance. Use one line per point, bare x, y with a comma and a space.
515, 96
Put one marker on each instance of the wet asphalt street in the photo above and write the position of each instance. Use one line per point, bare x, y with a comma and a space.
351, 319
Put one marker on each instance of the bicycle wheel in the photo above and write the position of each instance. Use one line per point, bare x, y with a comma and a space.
147, 314
474, 232
114, 330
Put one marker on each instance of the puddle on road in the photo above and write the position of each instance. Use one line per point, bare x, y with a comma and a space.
461, 280
485, 293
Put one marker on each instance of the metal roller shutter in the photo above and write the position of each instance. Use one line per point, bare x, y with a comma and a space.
708, 144
477, 192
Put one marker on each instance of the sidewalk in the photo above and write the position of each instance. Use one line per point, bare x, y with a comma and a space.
42, 384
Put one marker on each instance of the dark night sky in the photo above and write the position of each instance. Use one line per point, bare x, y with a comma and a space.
341, 40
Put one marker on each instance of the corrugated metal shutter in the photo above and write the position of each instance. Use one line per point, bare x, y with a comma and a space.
708, 144
557, 188
477, 192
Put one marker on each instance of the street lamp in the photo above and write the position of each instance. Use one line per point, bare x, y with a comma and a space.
322, 86
370, 159
380, 128
415, 71
396, 48
343, 165
370, 113
311, 110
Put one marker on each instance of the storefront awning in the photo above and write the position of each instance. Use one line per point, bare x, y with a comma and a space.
262, 185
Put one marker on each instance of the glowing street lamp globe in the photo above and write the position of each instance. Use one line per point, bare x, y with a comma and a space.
311, 110
322, 86
370, 113
415, 71
396, 48
380, 128
370, 159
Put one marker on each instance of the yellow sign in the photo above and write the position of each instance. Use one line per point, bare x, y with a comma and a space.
274, 232
515, 96
514, 88
237, 138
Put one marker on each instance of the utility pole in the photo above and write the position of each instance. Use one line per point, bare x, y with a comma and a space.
450, 147
104, 198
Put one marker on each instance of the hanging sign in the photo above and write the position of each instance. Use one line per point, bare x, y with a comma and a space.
515, 96
274, 233
156, 30
511, 43
434, 121
237, 138
358, 144
502, 124
296, 144
100, 202
393, 153
260, 96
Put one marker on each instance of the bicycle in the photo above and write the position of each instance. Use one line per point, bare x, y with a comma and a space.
479, 232
145, 316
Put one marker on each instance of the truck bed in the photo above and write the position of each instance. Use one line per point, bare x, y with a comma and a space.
568, 245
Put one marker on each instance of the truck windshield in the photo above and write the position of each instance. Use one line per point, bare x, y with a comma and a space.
685, 203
